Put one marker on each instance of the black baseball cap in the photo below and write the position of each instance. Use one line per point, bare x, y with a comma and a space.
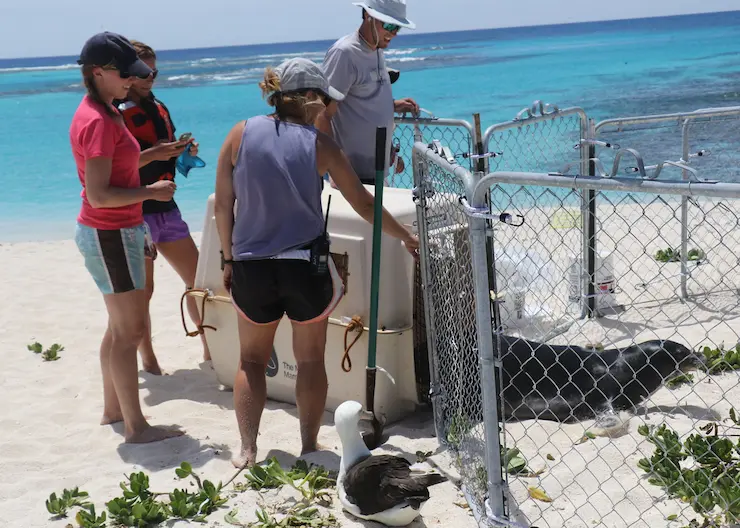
111, 48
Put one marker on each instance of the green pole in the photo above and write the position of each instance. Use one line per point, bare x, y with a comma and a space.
380, 155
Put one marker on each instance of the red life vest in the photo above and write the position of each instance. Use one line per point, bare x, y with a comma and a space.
149, 128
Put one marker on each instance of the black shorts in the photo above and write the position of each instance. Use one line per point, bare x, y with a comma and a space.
266, 289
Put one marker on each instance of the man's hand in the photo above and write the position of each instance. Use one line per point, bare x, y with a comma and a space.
406, 105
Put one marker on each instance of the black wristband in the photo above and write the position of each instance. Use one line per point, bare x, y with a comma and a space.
225, 261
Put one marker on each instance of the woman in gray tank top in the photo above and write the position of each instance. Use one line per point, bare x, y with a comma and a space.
271, 167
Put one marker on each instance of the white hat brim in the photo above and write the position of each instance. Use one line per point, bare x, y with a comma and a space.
403, 22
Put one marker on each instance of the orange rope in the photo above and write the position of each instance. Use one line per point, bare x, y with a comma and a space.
201, 326
355, 324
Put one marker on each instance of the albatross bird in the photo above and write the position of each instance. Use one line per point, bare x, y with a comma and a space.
381, 488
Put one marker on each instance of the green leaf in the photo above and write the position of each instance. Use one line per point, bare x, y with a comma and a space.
138, 511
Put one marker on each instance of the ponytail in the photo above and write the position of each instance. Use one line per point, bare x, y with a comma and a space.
92, 91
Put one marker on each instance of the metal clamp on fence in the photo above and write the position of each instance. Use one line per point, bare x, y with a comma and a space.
597, 143
544, 109
484, 213
467, 155
441, 150
426, 187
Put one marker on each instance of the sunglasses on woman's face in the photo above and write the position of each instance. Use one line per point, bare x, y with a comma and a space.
122, 74
392, 28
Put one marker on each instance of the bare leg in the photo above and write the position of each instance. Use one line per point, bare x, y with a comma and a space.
127, 323
250, 386
111, 408
148, 358
309, 344
183, 257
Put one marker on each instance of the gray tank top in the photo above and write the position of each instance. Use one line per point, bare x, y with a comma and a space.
277, 189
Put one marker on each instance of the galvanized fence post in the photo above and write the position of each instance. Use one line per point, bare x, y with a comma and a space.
487, 364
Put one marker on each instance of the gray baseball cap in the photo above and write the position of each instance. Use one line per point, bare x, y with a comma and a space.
302, 74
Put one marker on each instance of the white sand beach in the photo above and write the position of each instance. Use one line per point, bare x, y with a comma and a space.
49, 433
50, 440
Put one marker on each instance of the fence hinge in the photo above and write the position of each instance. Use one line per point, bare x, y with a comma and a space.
426, 187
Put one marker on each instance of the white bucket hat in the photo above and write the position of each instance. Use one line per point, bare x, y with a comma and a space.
303, 74
388, 11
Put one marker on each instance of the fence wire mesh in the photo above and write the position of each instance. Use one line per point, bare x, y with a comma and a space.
604, 469
630, 423
454, 134
449, 296
623, 419
544, 143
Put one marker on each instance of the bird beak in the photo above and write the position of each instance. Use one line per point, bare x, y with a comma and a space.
366, 415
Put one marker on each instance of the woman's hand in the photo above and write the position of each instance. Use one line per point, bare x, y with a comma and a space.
411, 243
166, 151
227, 276
193, 147
162, 190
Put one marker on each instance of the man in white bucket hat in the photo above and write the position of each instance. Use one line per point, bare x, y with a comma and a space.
355, 65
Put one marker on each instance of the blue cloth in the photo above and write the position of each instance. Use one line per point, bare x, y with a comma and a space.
187, 161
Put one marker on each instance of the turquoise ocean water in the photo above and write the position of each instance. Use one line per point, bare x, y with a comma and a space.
610, 69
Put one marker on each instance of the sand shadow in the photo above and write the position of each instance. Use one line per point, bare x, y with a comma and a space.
324, 457
169, 454
418, 523
691, 411
198, 385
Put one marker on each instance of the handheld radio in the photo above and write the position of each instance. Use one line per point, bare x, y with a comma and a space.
320, 248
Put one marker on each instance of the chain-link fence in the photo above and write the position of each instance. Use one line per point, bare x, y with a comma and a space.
450, 305
457, 135
694, 146
583, 307
586, 456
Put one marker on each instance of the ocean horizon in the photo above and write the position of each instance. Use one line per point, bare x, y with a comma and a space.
609, 68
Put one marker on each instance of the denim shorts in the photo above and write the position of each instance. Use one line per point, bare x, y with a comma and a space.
115, 257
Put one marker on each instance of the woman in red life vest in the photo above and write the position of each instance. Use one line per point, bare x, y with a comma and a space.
111, 234
149, 121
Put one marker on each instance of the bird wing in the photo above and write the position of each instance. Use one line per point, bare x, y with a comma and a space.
382, 482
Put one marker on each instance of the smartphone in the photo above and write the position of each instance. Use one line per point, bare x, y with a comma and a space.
186, 136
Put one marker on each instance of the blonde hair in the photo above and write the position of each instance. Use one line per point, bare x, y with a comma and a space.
143, 50
287, 104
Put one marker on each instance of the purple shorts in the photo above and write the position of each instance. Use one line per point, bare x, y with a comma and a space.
167, 227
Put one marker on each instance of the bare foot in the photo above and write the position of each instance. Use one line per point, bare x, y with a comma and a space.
153, 369
312, 448
111, 418
246, 458
153, 434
